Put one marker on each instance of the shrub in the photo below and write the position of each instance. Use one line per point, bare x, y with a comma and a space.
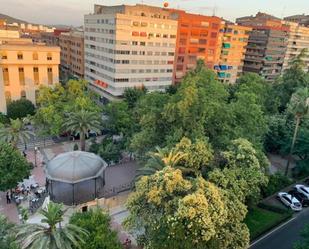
20, 108
275, 183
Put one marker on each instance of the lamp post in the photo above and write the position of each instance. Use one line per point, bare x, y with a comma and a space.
35, 153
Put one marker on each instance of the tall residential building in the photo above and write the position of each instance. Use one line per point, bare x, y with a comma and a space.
298, 39
198, 37
266, 46
24, 66
129, 46
303, 19
234, 46
72, 53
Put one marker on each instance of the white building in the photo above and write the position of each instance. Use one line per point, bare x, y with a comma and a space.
129, 46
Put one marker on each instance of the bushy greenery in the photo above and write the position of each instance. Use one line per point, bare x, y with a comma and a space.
13, 167
276, 182
20, 108
7, 240
97, 224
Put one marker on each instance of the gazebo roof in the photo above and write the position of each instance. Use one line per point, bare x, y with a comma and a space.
76, 166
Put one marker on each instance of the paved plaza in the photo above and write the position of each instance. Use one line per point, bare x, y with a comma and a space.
118, 178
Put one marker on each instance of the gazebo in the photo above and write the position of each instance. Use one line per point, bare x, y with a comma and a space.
75, 177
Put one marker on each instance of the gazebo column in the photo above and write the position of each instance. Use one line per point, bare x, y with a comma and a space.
73, 194
95, 188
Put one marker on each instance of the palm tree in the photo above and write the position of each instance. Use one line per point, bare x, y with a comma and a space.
160, 159
81, 122
15, 132
52, 235
299, 106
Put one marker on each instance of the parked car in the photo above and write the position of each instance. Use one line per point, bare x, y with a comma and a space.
302, 189
289, 201
303, 199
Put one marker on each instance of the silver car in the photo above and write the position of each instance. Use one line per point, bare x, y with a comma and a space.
290, 201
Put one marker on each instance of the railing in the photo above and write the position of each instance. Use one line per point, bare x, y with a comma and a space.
116, 190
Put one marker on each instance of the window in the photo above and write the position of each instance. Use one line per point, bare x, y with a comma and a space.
4, 56
135, 24
37, 94
50, 76
49, 57
21, 76
6, 77
23, 94
35, 56
213, 35
144, 24
19, 55
134, 43
143, 43
8, 97
36, 77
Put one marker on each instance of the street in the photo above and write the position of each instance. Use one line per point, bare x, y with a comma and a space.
285, 236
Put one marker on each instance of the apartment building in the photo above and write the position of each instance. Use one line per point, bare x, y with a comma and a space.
298, 39
303, 19
51, 38
234, 46
24, 66
72, 53
266, 45
129, 46
198, 37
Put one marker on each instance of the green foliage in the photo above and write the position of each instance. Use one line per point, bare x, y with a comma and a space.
20, 108
13, 167
97, 224
169, 208
7, 240
132, 95
55, 104
15, 132
276, 182
50, 235
81, 122
292, 79
4, 119
110, 150
241, 173
304, 242
120, 119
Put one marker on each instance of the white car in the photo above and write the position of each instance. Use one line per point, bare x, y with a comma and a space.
290, 201
302, 189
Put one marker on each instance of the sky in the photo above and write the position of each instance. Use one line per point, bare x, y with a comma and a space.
70, 12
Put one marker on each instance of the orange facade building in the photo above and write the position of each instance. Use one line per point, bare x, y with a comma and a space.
234, 45
198, 37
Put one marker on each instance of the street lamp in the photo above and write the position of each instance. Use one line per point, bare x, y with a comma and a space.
35, 153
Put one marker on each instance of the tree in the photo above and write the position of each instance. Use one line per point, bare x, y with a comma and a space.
81, 122
292, 79
20, 108
13, 167
110, 150
304, 243
240, 172
7, 240
299, 106
97, 224
132, 95
119, 118
15, 133
175, 212
52, 235
55, 103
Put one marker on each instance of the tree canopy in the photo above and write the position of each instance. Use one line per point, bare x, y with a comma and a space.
97, 224
20, 108
13, 167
